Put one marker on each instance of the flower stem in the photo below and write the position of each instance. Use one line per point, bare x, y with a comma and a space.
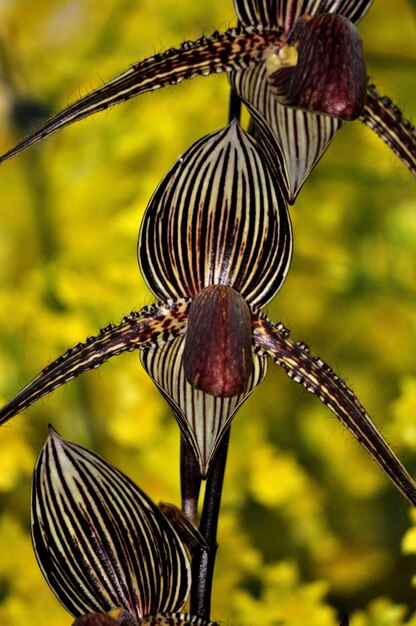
204, 559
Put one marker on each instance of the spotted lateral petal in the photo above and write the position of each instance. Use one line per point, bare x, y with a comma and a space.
222, 52
285, 13
100, 541
218, 217
153, 325
385, 119
202, 418
319, 379
175, 619
302, 136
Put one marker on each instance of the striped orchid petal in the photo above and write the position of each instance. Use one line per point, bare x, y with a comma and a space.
223, 52
218, 217
203, 418
318, 378
382, 116
302, 136
100, 541
161, 619
153, 325
285, 13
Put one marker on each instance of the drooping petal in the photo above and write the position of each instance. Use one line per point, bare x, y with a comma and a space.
202, 418
100, 541
319, 379
302, 136
218, 217
153, 325
285, 13
387, 121
223, 52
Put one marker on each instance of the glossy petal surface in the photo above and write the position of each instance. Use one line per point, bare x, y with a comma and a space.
202, 418
302, 136
100, 541
218, 217
285, 13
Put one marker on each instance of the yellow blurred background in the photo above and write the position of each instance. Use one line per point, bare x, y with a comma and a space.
310, 528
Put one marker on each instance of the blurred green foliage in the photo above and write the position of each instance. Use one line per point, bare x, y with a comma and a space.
310, 528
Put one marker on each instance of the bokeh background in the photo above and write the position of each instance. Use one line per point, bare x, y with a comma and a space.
310, 527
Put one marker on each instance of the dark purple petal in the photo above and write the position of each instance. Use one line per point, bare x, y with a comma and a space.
330, 75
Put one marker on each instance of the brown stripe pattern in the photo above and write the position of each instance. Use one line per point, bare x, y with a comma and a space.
202, 418
100, 541
387, 121
218, 217
285, 13
302, 136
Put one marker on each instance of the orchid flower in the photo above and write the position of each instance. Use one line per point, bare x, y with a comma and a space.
214, 247
106, 550
298, 66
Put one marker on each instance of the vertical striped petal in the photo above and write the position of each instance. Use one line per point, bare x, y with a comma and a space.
100, 541
152, 325
161, 619
202, 418
319, 379
285, 13
218, 217
302, 136
117, 617
223, 52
